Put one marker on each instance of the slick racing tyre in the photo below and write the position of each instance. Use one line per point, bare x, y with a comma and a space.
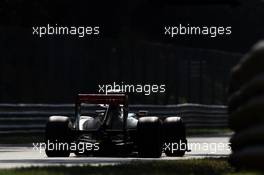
175, 143
251, 137
252, 89
149, 140
248, 115
58, 136
250, 66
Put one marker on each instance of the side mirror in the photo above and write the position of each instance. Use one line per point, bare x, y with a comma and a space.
142, 113
99, 112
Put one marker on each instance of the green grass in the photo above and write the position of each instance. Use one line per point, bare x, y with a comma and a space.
179, 167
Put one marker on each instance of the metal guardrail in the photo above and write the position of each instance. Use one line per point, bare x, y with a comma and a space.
31, 118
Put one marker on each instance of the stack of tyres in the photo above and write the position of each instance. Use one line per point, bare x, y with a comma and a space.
246, 110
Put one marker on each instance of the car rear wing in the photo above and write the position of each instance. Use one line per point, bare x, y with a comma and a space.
111, 99
102, 99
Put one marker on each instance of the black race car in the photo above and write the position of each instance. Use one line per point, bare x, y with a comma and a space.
110, 130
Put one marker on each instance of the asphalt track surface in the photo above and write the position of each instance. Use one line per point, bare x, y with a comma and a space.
15, 156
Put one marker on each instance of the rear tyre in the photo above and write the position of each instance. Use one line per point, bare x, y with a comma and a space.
149, 137
175, 143
58, 136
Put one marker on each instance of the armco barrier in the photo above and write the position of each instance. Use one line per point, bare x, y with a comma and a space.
31, 118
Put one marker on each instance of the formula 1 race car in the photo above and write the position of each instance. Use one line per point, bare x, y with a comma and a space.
110, 130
